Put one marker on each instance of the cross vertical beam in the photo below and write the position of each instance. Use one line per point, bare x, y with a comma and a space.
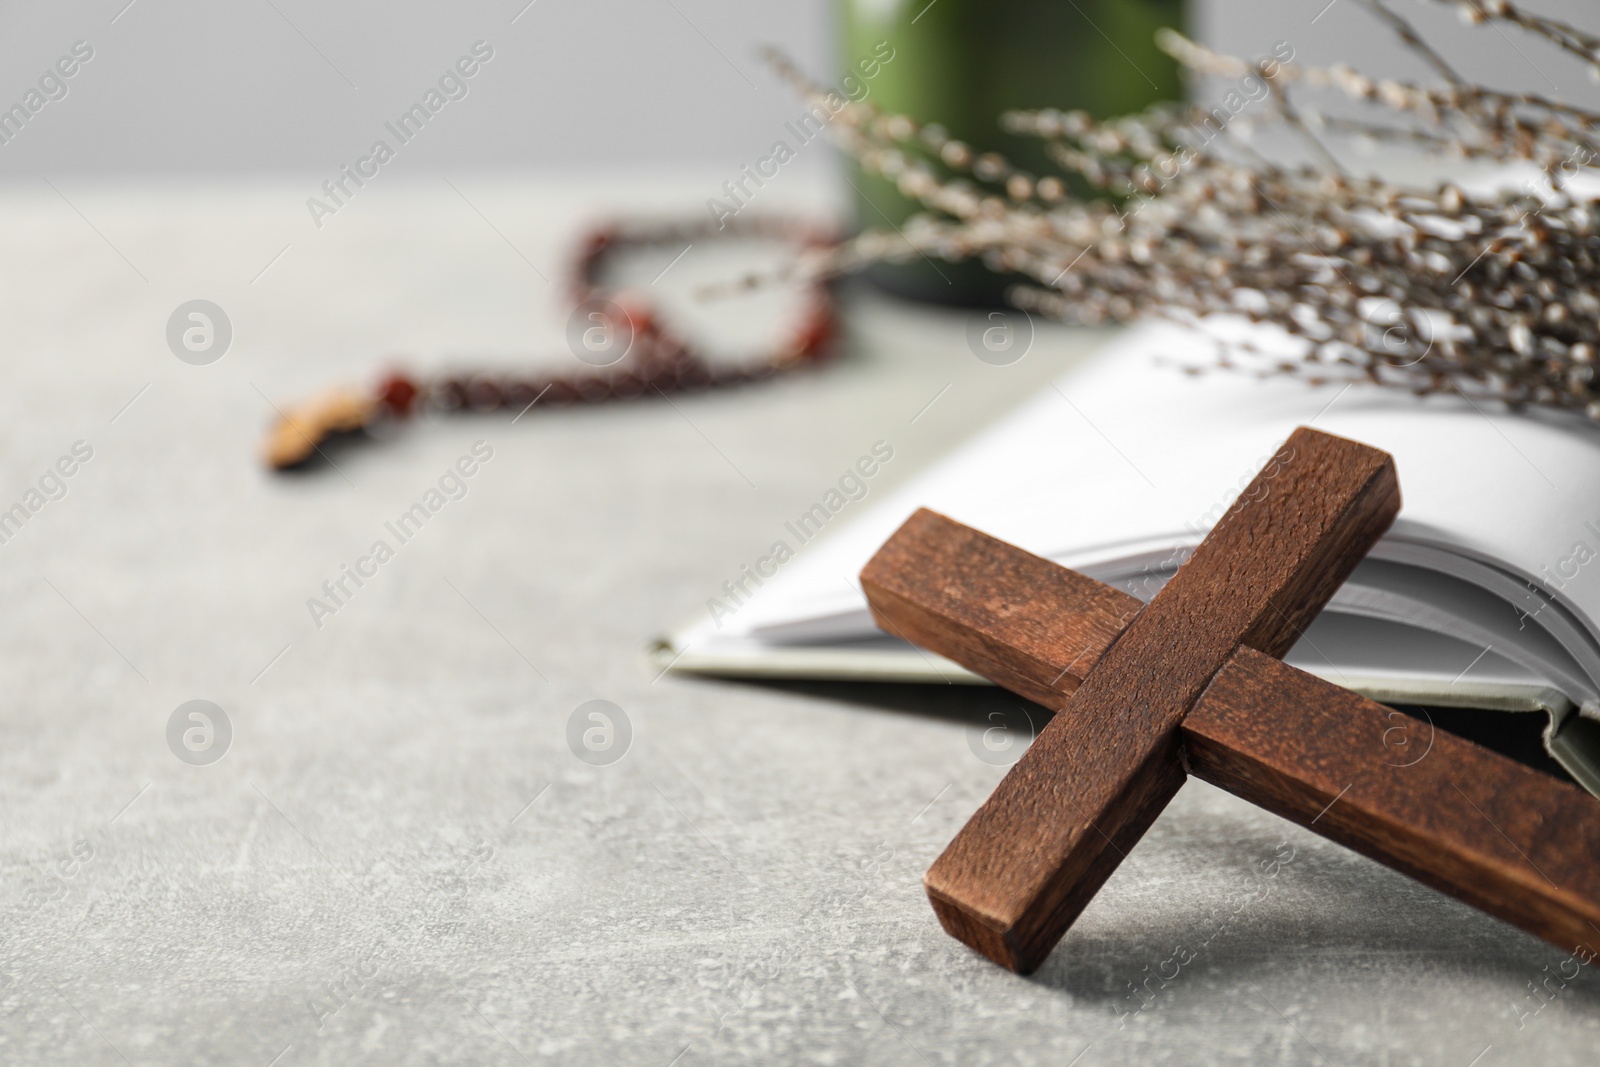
1516, 843
1034, 854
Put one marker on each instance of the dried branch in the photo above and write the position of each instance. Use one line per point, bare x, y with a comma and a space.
1435, 290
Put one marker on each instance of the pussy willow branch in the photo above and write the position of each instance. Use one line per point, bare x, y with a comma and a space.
1435, 290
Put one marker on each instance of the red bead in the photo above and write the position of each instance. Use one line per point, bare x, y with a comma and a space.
398, 393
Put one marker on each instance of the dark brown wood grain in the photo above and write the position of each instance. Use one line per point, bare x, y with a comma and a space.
1509, 840
1505, 838
1034, 854
1015, 618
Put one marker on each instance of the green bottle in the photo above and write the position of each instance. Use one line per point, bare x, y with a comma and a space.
960, 63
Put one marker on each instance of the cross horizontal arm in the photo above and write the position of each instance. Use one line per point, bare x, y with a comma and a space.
1020, 621
1512, 841
1054, 830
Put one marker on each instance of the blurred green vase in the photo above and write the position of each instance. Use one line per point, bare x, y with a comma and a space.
960, 63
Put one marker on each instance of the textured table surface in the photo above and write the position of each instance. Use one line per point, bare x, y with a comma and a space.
400, 859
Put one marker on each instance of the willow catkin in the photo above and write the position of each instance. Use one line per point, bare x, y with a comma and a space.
1431, 289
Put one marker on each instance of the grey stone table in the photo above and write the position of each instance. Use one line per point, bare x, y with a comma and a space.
400, 859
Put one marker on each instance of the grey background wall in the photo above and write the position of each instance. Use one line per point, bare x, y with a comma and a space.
197, 86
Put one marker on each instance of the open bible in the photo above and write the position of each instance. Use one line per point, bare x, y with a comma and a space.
1484, 594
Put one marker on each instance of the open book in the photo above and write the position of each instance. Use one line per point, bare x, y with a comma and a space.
1485, 593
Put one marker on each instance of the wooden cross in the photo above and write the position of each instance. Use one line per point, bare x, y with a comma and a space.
1192, 683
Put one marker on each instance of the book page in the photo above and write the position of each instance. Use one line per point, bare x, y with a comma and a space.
1128, 457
